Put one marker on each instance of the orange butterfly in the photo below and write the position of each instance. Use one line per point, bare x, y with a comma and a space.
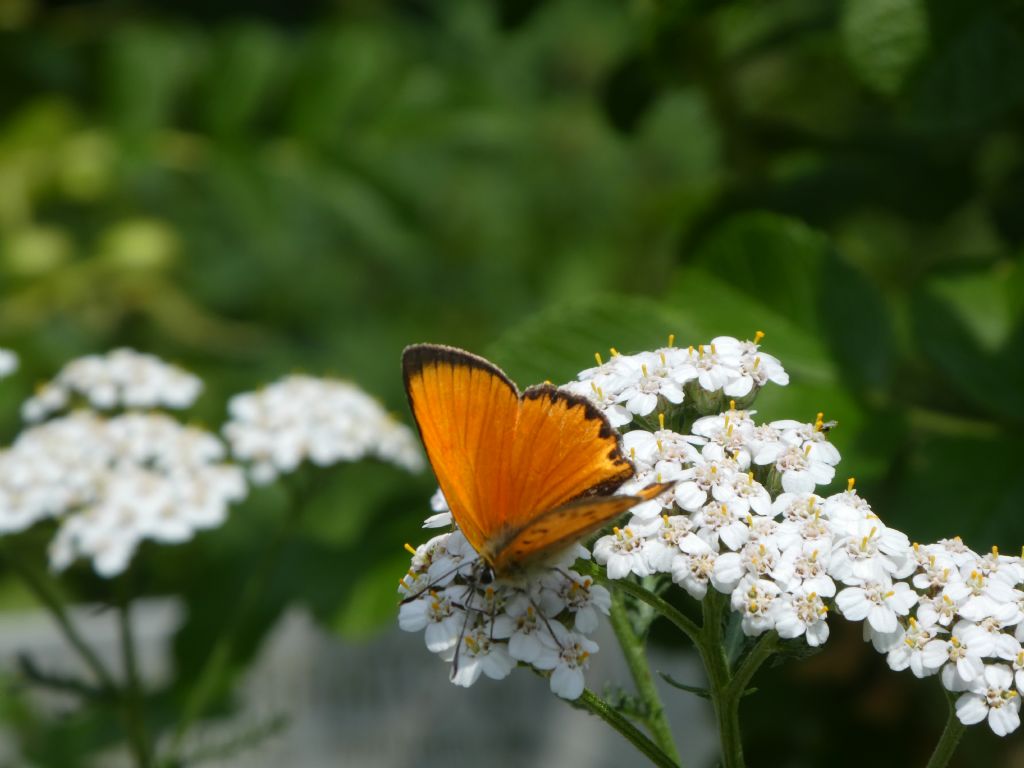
524, 475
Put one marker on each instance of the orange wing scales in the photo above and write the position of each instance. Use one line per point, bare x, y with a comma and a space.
523, 475
562, 525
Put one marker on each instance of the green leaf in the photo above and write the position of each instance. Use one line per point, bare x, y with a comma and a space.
764, 253
969, 325
791, 270
884, 40
975, 77
704, 693
557, 343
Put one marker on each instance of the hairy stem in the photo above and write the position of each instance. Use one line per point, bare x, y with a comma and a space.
687, 627
598, 706
633, 650
726, 705
949, 739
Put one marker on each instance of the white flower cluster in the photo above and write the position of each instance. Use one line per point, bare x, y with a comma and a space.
122, 378
630, 386
487, 628
8, 363
786, 560
113, 482
325, 421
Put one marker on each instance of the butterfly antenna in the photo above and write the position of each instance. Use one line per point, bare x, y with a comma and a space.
546, 624
458, 644
435, 583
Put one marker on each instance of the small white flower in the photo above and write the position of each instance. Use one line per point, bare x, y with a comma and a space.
438, 614
991, 696
801, 613
878, 602
567, 654
622, 553
754, 599
910, 652
480, 654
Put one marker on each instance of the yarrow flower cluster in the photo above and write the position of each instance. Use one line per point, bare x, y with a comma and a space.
122, 378
488, 627
114, 482
324, 421
8, 363
626, 387
746, 518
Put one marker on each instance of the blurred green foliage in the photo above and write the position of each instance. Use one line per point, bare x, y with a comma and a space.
251, 189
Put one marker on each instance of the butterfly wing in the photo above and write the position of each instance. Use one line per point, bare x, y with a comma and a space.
564, 449
559, 527
466, 410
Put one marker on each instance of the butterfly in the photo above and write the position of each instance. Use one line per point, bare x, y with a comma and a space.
524, 474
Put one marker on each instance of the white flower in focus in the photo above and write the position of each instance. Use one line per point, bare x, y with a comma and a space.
435, 612
879, 602
717, 523
8, 363
622, 552
961, 656
755, 600
801, 613
122, 378
910, 653
693, 572
566, 655
323, 421
480, 653
712, 369
991, 696
649, 384
603, 392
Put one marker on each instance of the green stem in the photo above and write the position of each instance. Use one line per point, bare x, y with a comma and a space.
134, 710
949, 739
633, 650
687, 627
598, 706
759, 654
48, 595
726, 705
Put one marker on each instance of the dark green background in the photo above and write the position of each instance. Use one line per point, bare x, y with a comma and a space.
256, 188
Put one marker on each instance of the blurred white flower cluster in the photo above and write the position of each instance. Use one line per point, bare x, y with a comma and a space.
487, 628
113, 482
325, 421
8, 363
745, 520
122, 378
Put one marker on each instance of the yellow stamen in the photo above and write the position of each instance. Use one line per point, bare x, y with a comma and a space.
758, 336
614, 351
643, 367
661, 421
671, 340
410, 548
850, 483
732, 405
597, 356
